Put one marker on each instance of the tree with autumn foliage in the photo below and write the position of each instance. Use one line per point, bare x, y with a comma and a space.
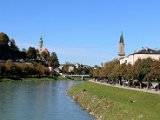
129, 72
111, 69
10, 68
154, 74
141, 68
101, 73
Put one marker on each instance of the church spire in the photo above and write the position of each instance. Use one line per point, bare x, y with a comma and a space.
121, 52
121, 38
41, 45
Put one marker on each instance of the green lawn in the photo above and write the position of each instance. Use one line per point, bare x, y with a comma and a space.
110, 103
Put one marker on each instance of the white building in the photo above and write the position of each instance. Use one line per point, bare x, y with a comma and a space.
142, 54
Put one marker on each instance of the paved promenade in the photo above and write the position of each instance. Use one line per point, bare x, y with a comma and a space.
129, 88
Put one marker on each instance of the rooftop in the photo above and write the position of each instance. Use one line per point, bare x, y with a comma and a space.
147, 51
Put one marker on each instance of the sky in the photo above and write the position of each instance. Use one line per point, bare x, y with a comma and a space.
83, 31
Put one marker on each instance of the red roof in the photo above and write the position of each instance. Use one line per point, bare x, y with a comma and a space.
45, 51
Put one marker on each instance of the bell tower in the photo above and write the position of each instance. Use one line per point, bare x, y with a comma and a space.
41, 45
121, 53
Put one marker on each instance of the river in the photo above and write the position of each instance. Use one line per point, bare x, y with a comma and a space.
43, 100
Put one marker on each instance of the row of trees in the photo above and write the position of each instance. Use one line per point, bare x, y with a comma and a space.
143, 70
19, 70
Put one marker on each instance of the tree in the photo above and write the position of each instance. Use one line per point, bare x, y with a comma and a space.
14, 52
112, 69
129, 72
53, 60
31, 53
22, 55
4, 39
10, 68
116, 75
96, 72
13, 45
24, 69
24, 50
65, 68
141, 69
154, 74
4, 48
102, 73
42, 71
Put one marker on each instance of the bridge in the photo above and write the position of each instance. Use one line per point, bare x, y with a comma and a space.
82, 76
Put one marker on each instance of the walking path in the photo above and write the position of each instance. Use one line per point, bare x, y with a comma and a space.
129, 88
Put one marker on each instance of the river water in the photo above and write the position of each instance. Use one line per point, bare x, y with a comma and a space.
43, 100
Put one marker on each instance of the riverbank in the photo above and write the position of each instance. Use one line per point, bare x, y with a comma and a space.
25, 79
111, 103
39, 79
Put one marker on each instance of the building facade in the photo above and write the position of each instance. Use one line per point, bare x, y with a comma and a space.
142, 54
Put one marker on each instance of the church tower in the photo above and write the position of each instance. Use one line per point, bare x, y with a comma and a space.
121, 53
40, 45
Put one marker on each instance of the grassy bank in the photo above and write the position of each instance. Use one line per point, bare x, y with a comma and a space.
109, 103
